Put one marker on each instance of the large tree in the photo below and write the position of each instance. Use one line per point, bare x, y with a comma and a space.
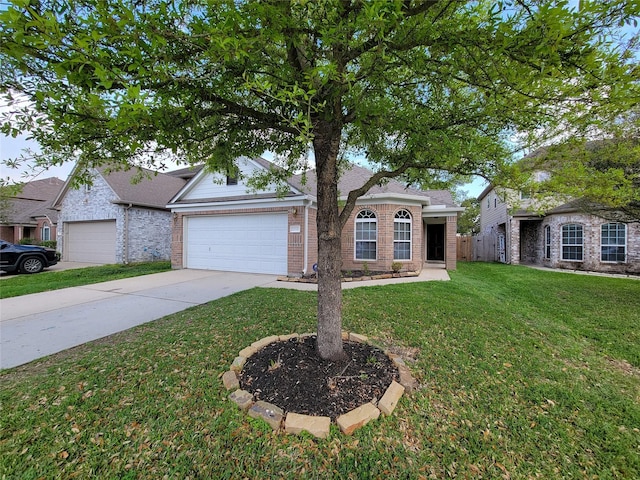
423, 88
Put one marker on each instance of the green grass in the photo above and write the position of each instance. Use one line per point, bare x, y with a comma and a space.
523, 374
17, 285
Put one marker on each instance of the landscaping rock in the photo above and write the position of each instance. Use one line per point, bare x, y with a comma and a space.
270, 413
356, 337
284, 338
238, 363
265, 341
230, 380
296, 423
406, 379
350, 422
242, 398
390, 398
248, 351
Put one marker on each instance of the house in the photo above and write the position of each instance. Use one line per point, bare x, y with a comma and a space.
220, 224
29, 214
115, 220
564, 236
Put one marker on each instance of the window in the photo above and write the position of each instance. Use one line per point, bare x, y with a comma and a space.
495, 202
613, 242
547, 242
402, 236
46, 233
232, 180
572, 242
366, 235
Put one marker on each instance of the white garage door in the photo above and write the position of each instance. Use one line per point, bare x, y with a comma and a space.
91, 242
237, 243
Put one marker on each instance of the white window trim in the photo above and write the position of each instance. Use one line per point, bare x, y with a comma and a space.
616, 245
562, 244
410, 241
359, 219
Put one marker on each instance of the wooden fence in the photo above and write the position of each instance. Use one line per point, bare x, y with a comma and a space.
477, 248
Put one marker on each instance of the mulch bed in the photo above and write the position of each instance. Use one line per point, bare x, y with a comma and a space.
292, 376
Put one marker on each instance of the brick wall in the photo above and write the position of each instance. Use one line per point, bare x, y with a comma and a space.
451, 255
385, 214
591, 226
145, 236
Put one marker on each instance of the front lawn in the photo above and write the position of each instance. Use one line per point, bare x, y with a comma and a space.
523, 374
16, 285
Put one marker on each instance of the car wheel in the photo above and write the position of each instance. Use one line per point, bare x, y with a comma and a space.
31, 265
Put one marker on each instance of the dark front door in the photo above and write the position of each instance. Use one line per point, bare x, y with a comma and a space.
435, 243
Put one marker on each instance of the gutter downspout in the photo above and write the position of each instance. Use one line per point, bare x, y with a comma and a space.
306, 239
125, 234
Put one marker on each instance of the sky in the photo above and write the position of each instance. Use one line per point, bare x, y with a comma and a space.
12, 147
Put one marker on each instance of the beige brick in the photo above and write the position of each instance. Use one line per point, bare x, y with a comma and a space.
238, 363
296, 423
390, 398
345, 335
268, 412
247, 352
230, 380
265, 341
406, 379
355, 337
350, 422
242, 399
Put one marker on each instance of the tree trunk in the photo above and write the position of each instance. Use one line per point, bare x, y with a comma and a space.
326, 146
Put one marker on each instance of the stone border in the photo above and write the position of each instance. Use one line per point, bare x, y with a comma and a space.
382, 276
318, 426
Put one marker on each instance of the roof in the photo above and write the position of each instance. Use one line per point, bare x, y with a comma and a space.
154, 189
34, 200
356, 176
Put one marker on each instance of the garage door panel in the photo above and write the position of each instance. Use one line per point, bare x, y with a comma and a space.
240, 243
91, 242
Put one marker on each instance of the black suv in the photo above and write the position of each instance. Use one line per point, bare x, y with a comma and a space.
25, 258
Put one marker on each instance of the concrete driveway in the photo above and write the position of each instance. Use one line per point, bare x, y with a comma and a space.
40, 324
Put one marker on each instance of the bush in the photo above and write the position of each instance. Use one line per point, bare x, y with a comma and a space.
46, 243
28, 241
49, 243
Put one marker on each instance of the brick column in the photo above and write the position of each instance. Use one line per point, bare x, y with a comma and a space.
451, 242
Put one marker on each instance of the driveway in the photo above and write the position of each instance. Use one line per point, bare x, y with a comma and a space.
40, 324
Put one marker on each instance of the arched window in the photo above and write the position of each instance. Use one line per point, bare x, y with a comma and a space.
613, 242
402, 236
572, 242
366, 237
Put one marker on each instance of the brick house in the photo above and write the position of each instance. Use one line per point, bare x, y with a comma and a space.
564, 236
30, 214
220, 224
115, 220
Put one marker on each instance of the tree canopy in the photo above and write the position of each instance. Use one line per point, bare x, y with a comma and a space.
424, 89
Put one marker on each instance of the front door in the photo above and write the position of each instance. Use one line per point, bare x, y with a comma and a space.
435, 242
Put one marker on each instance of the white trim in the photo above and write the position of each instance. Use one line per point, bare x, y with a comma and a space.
408, 221
389, 197
238, 204
626, 237
355, 234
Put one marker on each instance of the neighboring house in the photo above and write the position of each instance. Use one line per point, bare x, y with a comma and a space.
114, 220
29, 214
219, 224
564, 236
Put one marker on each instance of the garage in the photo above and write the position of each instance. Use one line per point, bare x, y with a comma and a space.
237, 243
90, 242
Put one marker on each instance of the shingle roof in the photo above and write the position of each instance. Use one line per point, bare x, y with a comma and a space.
153, 190
34, 200
356, 176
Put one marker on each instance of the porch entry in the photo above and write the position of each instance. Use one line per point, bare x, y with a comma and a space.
435, 242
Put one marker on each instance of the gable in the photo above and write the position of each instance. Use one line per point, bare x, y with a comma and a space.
210, 186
